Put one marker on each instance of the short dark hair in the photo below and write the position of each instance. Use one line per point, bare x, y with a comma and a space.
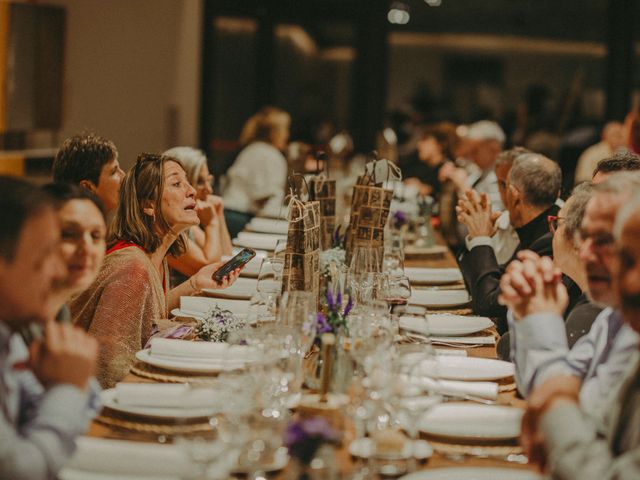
507, 157
61, 193
20, 201
82, 157
621, 161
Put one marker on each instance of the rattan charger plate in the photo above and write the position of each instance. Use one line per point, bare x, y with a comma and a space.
167, 376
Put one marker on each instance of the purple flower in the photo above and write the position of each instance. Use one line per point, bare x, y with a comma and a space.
323, 326
339, 299
330, 302
348, 308
398, 219
303, 437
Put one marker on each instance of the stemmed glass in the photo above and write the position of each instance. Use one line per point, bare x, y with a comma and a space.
365, 261
270, 282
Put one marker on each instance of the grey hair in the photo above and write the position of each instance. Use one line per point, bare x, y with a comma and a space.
631, 207
576, 206
620, 183
507, 157
192, 160
537, 177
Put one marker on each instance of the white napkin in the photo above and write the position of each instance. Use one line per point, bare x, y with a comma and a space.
442, 298
269, 225
256, 236
129, 458
449, 352
482, 340
433, 275
201, 305
164, 395
488, 390
210, 352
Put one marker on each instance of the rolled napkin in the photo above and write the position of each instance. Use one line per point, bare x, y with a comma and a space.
488, 390
482, 340
210, 352
433, 276
199, 306
439, 298
122, 457
269, 225
256, 236
164, 395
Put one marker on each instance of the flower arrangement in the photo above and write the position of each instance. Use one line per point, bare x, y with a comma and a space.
217, 324
334, 318
398, 219
303, 437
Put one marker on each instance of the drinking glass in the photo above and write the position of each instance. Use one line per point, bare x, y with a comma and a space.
365, 261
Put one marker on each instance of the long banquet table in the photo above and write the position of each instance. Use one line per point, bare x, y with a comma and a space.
346, 463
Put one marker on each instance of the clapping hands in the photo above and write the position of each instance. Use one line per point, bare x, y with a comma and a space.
474, 211
532, 284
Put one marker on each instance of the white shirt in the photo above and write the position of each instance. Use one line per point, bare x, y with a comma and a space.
259, 173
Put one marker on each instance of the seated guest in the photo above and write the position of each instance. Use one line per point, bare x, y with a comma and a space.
557, 434
534, 183
91, 162
207, 242
612, 140
622, 161
40, 401
597, 360
83, 231
131, 293
257, 179
434, 149
484, 142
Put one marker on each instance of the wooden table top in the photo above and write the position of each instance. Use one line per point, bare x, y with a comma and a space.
345, 462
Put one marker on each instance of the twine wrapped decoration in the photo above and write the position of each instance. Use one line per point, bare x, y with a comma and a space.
302, 256
370, 206
323, 190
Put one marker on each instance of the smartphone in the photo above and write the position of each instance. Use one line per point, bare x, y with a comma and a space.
240, 260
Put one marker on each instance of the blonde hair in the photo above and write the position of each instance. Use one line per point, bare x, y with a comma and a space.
191, 159
263, 125
144, 183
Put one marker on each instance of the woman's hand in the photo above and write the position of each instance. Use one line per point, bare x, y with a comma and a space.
203, 279
216, 203
206, 212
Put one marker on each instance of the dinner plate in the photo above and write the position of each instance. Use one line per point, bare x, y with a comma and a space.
242, 289
473, 473
412, 250
110, 400
191, 365
440, 298
102, 459
470, 421
445, 325
433, 276
268, 225
199, 306
470, 368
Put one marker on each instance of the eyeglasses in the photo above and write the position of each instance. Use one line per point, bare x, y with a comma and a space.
553, 221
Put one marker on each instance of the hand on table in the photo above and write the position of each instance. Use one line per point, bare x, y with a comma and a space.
550, 394
533, 284
474, 211
66, 355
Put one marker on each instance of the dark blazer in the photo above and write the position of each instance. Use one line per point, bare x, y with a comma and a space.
482, 272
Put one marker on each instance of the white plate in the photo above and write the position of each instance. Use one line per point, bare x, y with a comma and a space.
109, 400
469, 421
440, 298
242, 288
101, 458
191, 365
199, 306
473, 473
365, 447
446, 325
433, 276
471, 368
268, 225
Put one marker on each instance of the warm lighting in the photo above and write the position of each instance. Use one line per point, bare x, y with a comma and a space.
398, 13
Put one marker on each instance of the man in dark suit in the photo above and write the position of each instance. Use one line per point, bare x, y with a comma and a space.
533, 187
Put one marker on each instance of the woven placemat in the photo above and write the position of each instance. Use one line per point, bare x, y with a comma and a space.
166, 376
475, 450
154, 428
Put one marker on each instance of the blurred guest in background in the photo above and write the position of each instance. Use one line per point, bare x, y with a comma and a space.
41, 402
131, 294
91, 162
622, 161
207, 242
256, 182
435, 148
612, 140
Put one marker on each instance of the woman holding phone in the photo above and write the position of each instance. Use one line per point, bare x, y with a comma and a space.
131, 293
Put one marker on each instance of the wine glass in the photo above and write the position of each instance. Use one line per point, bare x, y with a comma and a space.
365, 261
398, 291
